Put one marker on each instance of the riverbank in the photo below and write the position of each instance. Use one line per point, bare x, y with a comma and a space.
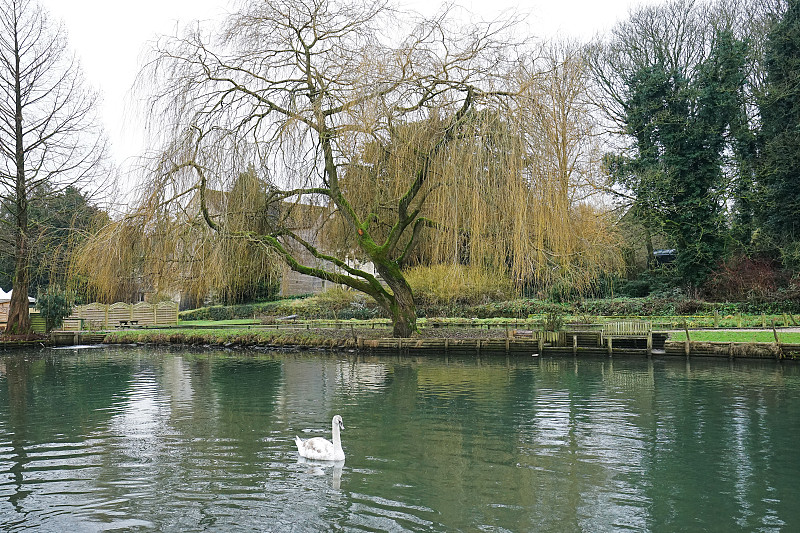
450, 336
454, 340
301, 337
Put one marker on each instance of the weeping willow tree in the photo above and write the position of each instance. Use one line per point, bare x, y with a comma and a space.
375, 140
512, 194
164, 246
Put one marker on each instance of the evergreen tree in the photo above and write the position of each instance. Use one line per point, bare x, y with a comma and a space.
58, 221
681, 127
779, 165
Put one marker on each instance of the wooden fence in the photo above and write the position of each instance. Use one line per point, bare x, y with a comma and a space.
100, 316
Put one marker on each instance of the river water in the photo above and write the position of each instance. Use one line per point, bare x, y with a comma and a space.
135, 439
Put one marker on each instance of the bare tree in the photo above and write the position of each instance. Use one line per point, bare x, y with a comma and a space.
49, 137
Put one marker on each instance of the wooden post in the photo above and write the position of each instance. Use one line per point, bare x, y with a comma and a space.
610, 346
508, 342
541, 345
446, 345
686, 345
739, 320
574, 345
716, 318
777, 340
763, 320
649, 343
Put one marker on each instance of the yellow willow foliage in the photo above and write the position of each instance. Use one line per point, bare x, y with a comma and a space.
506, 196
106, 255
158, 251
510, 188
443, 284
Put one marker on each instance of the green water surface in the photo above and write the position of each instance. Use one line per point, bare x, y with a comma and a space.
135, 439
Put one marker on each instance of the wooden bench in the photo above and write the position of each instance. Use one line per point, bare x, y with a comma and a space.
628, 331
627, 328
126, 323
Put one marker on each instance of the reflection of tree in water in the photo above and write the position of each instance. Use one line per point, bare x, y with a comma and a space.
245, 391
17, 399
50, 400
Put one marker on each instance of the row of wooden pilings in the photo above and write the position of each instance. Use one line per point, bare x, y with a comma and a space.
508, 345
536, 347
576, 344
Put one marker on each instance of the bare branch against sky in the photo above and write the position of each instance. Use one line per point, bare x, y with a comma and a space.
109, 37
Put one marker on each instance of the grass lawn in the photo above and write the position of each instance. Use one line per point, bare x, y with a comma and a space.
321, 330
231, 322
736, 336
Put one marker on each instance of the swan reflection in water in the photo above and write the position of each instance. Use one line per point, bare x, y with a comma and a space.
317, 468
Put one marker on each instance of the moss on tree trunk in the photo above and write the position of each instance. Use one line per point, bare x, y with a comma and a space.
400, 304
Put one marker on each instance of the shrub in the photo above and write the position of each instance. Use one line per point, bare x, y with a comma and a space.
689, 307
742, 278
337, 298
636, 288
219, 312
338, 303
55, 305
553, 321
446, 285
790, 256
243, 311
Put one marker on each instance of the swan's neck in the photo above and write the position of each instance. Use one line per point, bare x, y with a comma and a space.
337, 441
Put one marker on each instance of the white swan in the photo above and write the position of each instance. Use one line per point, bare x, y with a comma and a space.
321, 449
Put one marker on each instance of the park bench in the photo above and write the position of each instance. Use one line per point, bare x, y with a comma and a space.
629, 332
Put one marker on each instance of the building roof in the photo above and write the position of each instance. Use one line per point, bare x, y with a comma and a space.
6, 296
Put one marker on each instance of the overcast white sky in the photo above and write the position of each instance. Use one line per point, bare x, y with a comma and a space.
109, 37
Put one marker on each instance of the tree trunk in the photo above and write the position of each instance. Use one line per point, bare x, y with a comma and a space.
19, 320
401, 307
404, 314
